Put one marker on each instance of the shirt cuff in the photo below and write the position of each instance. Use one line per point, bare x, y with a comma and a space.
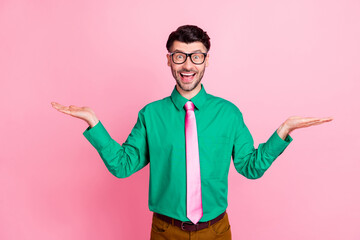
276, 145
97, 136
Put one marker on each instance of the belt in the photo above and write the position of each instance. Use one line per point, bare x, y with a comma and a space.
189, 226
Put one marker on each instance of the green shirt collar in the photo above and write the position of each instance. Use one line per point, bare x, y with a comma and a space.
198, 100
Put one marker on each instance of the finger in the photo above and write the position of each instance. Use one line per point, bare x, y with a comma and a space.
62, 108
54, 104
312, 120
309, 122
328, 119
67, 111
316, 123
57, 105
324, 120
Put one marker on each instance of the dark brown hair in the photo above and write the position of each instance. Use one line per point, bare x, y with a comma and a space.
188, 34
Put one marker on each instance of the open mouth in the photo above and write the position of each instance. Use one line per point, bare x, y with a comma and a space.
187, 77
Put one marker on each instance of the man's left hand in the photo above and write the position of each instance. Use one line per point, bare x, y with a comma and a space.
295, 122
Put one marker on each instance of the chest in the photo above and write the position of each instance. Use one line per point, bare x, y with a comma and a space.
167, 130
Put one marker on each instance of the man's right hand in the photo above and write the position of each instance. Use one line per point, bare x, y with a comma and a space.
84, 113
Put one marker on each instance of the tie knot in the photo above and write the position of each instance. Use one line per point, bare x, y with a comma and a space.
189, 106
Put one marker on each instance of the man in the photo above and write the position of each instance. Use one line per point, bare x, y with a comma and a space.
188, 138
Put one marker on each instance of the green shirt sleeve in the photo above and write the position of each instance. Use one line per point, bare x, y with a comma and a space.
250, 162
121, 160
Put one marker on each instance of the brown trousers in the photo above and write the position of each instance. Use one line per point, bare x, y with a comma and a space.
161, 230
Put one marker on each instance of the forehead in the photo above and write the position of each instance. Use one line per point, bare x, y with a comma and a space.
188, 47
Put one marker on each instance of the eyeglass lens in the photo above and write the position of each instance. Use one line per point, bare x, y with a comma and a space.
197, 58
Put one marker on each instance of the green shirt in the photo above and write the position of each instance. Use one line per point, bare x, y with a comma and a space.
158, 138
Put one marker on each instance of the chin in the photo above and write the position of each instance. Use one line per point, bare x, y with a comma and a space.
188, 87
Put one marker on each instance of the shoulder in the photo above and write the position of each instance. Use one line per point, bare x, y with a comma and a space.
223, 105
156, 105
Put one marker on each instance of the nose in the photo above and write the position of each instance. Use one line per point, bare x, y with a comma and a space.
187, 64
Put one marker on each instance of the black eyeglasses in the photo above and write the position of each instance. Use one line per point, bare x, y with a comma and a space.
180, 57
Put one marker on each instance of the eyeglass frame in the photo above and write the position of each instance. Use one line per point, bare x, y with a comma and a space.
188, 55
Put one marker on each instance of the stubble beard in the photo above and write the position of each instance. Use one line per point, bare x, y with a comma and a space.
188, 87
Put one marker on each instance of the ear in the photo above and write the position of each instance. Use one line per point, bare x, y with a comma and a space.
207, 60
168, 59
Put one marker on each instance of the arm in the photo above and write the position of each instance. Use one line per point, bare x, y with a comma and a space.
121, 160
250, 162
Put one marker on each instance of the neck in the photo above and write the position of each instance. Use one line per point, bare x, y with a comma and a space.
189, 94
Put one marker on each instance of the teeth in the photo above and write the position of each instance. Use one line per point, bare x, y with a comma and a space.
188, 74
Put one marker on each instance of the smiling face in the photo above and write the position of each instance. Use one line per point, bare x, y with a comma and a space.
188, 75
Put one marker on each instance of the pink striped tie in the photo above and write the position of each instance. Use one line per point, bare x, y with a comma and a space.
193, 180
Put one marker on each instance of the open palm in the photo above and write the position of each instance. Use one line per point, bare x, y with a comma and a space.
296, 122
84, 113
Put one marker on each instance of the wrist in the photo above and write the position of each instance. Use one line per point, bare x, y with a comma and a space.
283, 131
93, 121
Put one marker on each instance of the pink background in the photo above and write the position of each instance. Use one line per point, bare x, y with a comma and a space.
273, 59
